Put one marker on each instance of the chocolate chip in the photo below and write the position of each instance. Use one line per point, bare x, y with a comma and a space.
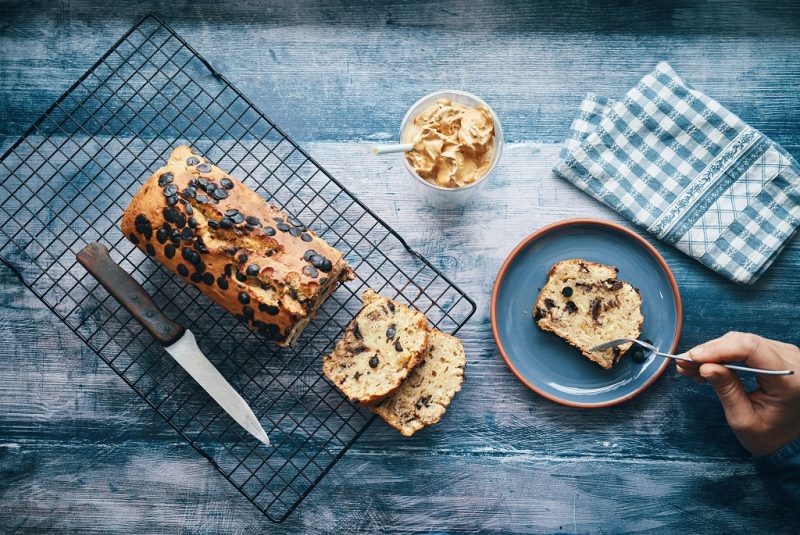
208, 278
391, 332
240, 277
189, 209
220, 194
397, 346
237, 218
165, 178
192, 222
213, 224
283, 227
226, 222
310, 271
391, 307
357, 332
197, 261
305, 236
199, 266
170, 190
248, 312
308, 254
549, 303
253, 220
294, 222
228, 271
150, 249
186, 254
538, 313
191, 160
187, 234
189, 193
614, 285
211, 188
202, 182
566, 291
294, 231
222, 282
571, 307
243, 298
253, 270
183, 270
196, 277
596, 308
272, 310
373, 361
326, 266
269, 231
180, 221
162, 235
226, 183
357, 375
249, 227
242, 257
202, 199
317, 261
169, 250
204, 168
134, 238
172, 200
232, 212
323, 281
175, 237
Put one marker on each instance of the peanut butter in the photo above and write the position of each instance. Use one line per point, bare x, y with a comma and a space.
453, 144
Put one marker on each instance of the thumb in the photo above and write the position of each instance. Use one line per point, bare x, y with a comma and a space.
731, 393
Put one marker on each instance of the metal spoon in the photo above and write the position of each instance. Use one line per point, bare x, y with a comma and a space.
683, 356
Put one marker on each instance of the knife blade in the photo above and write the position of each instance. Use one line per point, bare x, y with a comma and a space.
179, 342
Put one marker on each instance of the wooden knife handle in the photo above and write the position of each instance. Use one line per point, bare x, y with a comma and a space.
129, 293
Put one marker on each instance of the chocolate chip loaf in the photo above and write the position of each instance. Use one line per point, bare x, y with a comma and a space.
586, 304
423, 397
242, 252
380, 346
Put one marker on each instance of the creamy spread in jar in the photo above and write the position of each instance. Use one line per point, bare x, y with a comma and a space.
453, 143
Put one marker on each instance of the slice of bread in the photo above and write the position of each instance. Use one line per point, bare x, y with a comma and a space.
379, 348
423, 397
585, 304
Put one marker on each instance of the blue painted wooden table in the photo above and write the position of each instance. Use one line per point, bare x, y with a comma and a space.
79, 451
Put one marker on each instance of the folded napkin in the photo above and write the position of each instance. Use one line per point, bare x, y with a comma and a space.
677, 163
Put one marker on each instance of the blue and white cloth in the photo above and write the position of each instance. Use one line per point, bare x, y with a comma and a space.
677, 163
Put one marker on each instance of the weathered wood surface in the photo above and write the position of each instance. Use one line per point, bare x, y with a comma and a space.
80, 452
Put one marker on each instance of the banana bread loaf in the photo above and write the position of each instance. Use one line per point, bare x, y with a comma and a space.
586, 304
247, 255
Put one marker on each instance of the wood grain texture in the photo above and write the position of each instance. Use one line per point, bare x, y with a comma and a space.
79, 451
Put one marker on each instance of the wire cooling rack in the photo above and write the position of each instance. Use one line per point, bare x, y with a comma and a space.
67, 180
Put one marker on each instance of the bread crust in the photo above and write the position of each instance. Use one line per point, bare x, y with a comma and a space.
235, 247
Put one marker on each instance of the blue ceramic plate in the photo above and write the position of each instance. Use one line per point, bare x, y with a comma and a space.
546, 363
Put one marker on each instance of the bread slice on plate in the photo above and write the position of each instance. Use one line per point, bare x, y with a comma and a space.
423, 397
379, 348
586, 304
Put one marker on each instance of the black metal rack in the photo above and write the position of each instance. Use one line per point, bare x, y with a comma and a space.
67, 180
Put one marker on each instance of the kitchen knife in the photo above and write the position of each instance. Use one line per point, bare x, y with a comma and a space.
178, 341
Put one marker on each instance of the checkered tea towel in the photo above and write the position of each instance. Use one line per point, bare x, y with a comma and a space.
677, 163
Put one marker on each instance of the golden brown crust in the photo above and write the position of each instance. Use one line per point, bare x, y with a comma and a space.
239, 250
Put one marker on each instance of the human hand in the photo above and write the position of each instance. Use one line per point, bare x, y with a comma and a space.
767, 418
